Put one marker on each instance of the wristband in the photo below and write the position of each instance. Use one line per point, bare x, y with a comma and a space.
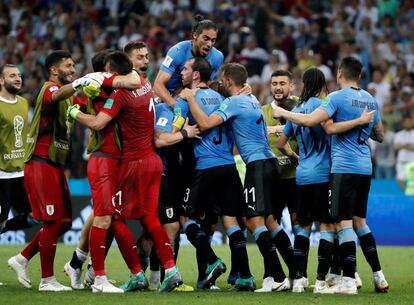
184, 133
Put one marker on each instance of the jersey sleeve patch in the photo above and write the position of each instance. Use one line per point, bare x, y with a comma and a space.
53, 88
167, 61
325, 101
162, 122
223, 107
108, 104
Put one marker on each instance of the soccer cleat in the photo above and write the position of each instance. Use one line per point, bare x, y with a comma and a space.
248, 284
136, 282
380, 282
321, 287
21, 271
358, 281
214, 288
231, 279
172, 280
346, 286
89, 278
183, 288
282, 286
268, 285
52, 285
213, 272
102, 285
333, 279
74, 275
298, 285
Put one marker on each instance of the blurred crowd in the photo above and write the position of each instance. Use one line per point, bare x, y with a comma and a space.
264, 35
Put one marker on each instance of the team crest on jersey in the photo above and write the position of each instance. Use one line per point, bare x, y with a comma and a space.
108, 104
167, 61
325, 101
50, 209
169, 212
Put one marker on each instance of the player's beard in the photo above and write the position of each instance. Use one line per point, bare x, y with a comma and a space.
64, 78
11, 88
279, 100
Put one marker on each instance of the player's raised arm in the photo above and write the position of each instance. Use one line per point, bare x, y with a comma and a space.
160, 88
97, 122
130, 81
316, 117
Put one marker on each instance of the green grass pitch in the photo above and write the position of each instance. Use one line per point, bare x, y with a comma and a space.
397, 263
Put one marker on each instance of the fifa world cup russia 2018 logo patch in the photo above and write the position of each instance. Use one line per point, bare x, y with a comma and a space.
18, 124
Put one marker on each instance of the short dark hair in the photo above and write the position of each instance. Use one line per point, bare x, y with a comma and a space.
6, 66
134, 45
119, 62
313, 84
99, 60
202, 66
203, 24
286, 73
351, 68
235, 72
55, 58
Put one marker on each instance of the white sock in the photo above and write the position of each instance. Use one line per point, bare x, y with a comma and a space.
48, 279
21, 259
378, 274
82, 255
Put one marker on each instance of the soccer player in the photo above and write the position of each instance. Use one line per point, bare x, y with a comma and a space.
312, 178
245, 116
13, 119
204, 36
216, 186
47, 151
281, 88
105, 148
351, 169
141, 168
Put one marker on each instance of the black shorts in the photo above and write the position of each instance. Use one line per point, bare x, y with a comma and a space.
288, 196
260, 192
216, 190
13, 195
349, 195
168, 208
314, 203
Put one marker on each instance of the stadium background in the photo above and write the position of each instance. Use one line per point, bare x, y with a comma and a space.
263, 35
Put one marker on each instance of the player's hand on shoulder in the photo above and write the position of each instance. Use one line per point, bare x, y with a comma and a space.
366, 117
186, 94
247, 89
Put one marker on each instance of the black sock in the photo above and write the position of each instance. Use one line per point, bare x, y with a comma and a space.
348, 259
75, 262
284, 246
154, 260
271, 260
240, 260
201, 265
336, 258
18, 222
325, 251
176, 246
301, 255
109, 240
369, 248
201, 241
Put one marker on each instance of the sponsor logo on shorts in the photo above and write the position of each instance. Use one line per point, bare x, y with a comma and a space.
169, 212
50, 209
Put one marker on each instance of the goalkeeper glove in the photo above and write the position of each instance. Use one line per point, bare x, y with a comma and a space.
72, 113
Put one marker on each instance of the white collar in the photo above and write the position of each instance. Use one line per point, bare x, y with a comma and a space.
8, 101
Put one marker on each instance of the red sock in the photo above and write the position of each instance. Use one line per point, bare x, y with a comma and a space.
127, 246
33, 247
47, 247
160, 239
97, 242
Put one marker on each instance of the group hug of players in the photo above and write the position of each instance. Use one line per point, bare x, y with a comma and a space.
181, 175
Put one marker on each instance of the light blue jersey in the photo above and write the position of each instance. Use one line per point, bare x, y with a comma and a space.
350, 152
314, 147
164, 118
179, 54
216, 146
245, 116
